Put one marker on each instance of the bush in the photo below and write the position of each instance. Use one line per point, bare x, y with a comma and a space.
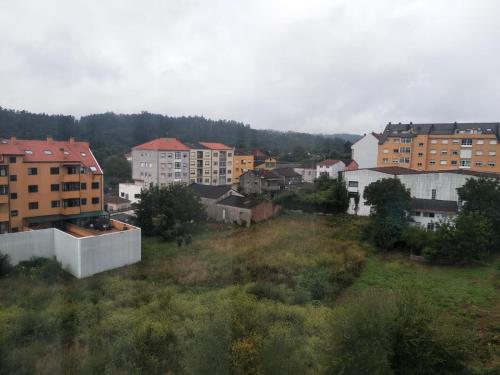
49, 270
414, 239
395, 333
5, 266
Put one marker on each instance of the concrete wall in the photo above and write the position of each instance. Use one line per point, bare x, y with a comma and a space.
83, 256
230, 214
332, 170
129, 191
24, 245
365, 151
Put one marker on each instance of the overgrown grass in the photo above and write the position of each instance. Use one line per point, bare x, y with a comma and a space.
238, 300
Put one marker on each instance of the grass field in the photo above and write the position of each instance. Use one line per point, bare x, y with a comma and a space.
241, 300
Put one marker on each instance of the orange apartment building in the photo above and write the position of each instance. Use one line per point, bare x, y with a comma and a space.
432, 147
242, 162
47, 183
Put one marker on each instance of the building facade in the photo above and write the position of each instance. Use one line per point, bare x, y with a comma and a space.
46, 183
211, 163
365, 150
307, 171
433, 147
329, 168
242, 162
161, 161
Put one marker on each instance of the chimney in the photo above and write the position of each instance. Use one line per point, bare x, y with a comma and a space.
50, 140
71, 140
13, 140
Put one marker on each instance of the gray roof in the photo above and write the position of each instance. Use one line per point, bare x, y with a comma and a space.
286, 172
411, 129
434, 205
402, 171
209, 191
241, 202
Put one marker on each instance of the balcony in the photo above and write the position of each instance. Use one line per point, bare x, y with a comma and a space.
71, 177
70, 194
4, 199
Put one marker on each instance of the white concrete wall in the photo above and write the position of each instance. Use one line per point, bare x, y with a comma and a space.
24, 245
109, 251
332, 170
364, 178
365, 151
129, 191
83, 256
67, 251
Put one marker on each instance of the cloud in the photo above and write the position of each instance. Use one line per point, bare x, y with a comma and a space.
318, 66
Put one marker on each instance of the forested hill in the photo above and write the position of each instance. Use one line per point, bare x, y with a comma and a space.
111, 133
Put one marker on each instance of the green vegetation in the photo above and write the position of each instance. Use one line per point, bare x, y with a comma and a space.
327, 196
269, 299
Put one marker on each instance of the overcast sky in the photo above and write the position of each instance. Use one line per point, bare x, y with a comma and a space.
317, 66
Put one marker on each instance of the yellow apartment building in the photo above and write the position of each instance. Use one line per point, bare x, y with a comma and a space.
242, 162
47, 183
432, 147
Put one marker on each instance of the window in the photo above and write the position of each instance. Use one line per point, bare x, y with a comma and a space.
406, 140
93, 169
54, 187
492, 153
416, 213
13, 213
32, 188
479, 153
83, 186
177, 155
493, 142
83, 201
47, 152
430, 226
177, 165
432, 162
4, 189
456, 141
72, 170
433, 194
454, 152
396, 150
491, 164
32, 171
444, 141
70, 186
95, 185
73, 202
404, 160
353, 183
28, 152
479, 164
33, 205
386, 151
394, 161
421, 144
405, 150
419, 164
3, 171
385, 160
83, 170
429, 214
444, 152
12, 160
464, 163
454, 162
55, 204
13, 178
95, 200
443, 162
433, 152
54, 170
170, 155
420, 154
177, 175
467, 142
162, 155
480, 142
434, 141
13, 196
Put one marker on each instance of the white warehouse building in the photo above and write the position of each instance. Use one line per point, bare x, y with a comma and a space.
434, 194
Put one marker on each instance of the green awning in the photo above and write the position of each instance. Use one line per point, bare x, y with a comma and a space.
48, 218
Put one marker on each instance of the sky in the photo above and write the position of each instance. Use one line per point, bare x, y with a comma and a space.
334, 66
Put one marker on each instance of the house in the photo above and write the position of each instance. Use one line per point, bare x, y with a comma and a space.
262, 182
426, 212
263, 160
243, 210
329, 168
114, 203
45, 183
291, 179
433, 190
350, 164
210, 195
211, 163
365, 151
307, 171
446, 146
243, 161
131, 191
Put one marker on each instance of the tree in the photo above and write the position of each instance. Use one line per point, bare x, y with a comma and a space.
482, 196
395, 333
390, 201
170, 212
466, 239
117, 169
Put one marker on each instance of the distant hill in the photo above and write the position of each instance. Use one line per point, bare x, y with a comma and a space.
110, 133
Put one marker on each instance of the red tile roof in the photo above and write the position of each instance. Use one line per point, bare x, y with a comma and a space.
215, 146
328, 162
163, 144
51, 151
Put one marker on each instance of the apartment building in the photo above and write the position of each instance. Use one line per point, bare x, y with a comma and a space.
211, 163
243, 161
160, 161
44, 184
433, 147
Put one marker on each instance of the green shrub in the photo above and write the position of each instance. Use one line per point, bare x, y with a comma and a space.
48, 270
5, 266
